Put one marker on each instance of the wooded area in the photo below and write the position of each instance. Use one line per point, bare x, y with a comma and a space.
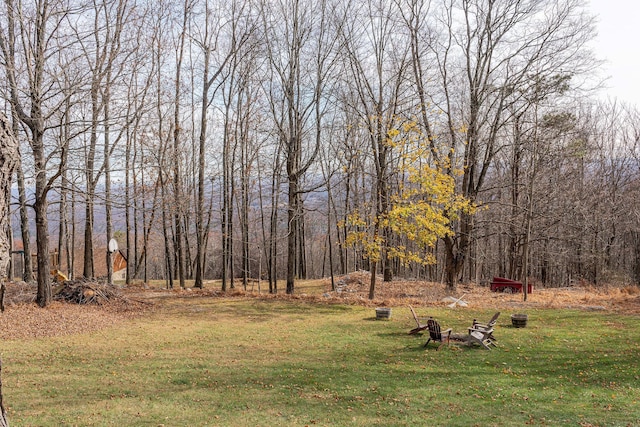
280, 139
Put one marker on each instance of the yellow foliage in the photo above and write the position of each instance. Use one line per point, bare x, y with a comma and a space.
409, 126
424, 210
58, 276
425, 206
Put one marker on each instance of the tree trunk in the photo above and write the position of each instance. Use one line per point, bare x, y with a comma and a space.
244, 214
200, 229
165, 233
292, 220
9, 158
301, 244
107, 182
63, 221
27, 272
177, 187
372, 283
3, 413
40, 205
88, 266
128, 173
272, 263
43, 297
87, 270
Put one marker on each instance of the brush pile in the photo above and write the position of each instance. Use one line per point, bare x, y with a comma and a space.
85, 292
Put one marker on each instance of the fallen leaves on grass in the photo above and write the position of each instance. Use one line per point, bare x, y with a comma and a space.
23, 319
353, 289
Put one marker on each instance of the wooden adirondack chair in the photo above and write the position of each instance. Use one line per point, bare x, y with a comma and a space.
480, 336
436, 334
487, 326
421, 327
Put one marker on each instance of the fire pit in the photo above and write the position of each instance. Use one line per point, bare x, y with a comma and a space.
519, 320
383, 313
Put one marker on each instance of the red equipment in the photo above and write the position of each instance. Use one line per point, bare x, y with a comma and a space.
500, 284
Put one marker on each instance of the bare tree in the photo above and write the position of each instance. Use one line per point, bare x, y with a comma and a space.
300, 41
31, 35
220, 37
103, 46
500, 46
177, 152
378, 59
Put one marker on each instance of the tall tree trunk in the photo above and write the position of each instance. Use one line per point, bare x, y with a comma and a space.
272, 256
200, 229
27, 271
88, 267
107, 177
87, 270
272, 261
244, 209
177, 187
301, 245
9, 159
71, 239
63, 221
128, 206
226, 206
168, 249
43, 297
292, 220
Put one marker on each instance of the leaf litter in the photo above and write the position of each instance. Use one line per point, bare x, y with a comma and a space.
77, 307
83, 307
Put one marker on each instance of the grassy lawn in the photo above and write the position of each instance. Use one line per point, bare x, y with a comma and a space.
213, 362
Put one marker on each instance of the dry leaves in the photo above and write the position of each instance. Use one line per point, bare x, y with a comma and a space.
23, 319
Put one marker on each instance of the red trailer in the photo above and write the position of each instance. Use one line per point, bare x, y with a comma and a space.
501, 284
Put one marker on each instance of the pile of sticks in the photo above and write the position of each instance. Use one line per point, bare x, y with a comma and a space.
83, 292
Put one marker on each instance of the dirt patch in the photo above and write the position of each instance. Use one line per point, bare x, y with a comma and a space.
23, 319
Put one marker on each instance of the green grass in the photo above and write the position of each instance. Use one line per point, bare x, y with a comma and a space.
203, 362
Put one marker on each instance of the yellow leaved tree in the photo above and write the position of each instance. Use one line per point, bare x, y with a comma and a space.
422, 209
423, 212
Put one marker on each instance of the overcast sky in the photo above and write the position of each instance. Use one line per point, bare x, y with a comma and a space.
618, 42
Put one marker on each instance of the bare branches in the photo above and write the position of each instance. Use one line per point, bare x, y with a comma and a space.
212, 114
